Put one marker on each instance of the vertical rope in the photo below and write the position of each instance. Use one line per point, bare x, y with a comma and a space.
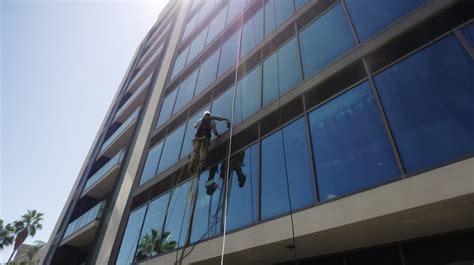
229, 152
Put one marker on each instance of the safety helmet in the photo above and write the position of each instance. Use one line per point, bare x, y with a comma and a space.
207, 113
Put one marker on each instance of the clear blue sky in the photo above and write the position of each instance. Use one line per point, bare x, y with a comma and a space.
61, 64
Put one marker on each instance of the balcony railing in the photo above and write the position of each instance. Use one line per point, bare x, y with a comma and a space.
105, 170
88, 217
143, 69
121, 132
134, 101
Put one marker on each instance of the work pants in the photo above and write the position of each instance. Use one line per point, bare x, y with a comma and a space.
198, 155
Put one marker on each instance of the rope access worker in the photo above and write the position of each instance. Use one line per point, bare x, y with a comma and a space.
202, 140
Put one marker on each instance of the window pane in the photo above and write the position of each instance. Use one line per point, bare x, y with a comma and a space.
429, 99
235, 6
151, 164
247, 99
205, 10
468, 32
178, 211
288, 66
197, 45
270, 79
243, 198
222, 107
324, 40
130, 238
228, 53
274, 179
300, 3
150, 238
167, 108
283, 10
369, 17
350, 144
281, 71
270, 19
190, 132
216, 26
252, 33
190, 26
180, 62
171, 149
186, 91
208, 210
208, 73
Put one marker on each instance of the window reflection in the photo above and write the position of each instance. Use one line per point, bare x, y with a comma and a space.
351, 147
130, 239
248, 95
243, 188
428, 98
167, 108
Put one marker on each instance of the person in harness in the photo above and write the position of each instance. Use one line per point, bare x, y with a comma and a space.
202, 140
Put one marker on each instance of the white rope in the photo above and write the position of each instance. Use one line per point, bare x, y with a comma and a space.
229, 153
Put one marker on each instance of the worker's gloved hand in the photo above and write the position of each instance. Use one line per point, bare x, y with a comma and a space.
228, 124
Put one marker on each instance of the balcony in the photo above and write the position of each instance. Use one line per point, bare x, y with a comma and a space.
103, 180
136, 100
144, 72
152, 52
81, 231
120, 138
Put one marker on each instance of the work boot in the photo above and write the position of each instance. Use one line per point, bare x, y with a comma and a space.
241, 178
211, 187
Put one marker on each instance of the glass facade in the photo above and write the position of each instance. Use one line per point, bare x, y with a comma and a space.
324, 40
389, 124
432, 109
370, 17
247, 100
351, 147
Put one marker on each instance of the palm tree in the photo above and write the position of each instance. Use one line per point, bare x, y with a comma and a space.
168, 244
30, 221
149, 245
7, 235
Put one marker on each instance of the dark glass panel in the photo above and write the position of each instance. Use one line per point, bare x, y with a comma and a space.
228, 53
252, 33
248, 95
222, 107
243, 189
151, 164
428, 98
130, 238
171, 149
208, 71
350, 144
167, 107
324, 40
186, 91
370, 17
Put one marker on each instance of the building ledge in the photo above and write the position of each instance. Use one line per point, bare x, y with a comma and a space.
83, 236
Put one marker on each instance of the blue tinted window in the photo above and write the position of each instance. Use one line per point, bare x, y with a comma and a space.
197, 45
190, 26
235, 6
151, 164
428, 98
270, 19
190, 132
216, 26
243, 189
350, 144
208, 210
300, 3
178, 211
130, 239
205, 10
281, 71
167, 108
228, 53
222, 107
283, 10
324, 40
171, 149
252, 33
468, 32
151, 235
274, 178
247, 99
208, 72
369, 17
186, 91
180, 62
270, 79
